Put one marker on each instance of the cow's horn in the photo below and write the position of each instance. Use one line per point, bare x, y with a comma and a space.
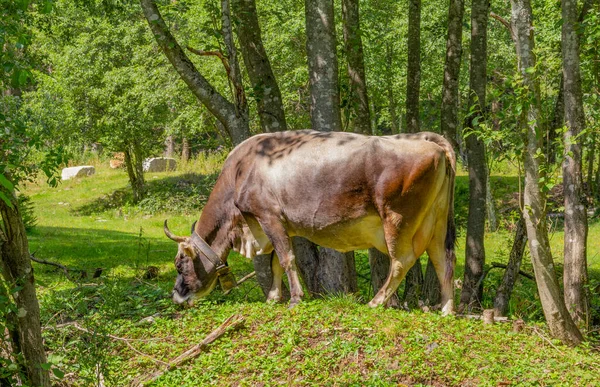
172, 236
206, 249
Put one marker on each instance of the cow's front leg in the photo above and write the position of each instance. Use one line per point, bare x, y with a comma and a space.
283, 248
275, 293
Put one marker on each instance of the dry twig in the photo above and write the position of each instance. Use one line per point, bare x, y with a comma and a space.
234, 322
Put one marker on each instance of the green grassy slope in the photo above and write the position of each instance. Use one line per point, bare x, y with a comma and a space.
84, 224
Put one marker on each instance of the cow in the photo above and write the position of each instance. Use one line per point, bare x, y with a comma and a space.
344, 191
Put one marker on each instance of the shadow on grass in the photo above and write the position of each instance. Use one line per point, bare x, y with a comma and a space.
185, 193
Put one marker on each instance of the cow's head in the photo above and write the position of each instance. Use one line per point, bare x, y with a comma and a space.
198, 267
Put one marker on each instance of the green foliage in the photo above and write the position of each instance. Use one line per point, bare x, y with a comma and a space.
27, 210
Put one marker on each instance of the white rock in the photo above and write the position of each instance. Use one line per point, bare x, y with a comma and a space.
84, 170
159, 164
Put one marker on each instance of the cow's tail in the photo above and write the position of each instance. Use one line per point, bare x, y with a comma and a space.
450, 240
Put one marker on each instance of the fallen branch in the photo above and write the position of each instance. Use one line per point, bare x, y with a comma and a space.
246, 278
55, 264
234, 322
503, 266
506, 24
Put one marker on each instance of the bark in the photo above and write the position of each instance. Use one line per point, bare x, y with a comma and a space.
432, 294
449, 108
307, 258
169, 146
413, 71
575, 241
380, 268
472, 291
135, 171
489, 205
511, 273
390, 89
235, 74
18, 272
185, 150
359, 100
322, 66
591, 156
264, 85
233, 120
413, 287
335, 272
559, 320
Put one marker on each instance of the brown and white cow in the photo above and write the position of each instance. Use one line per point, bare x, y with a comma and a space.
345, 191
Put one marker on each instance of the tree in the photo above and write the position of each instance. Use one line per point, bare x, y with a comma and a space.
557, 316
472, 291
449, 107
413, 71
335, 271
265, 89
359, 99
17, 140
575, 241
234, 120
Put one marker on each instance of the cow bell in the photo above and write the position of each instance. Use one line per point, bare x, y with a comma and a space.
226, 279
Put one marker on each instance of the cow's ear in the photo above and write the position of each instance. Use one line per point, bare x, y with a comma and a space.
188, 249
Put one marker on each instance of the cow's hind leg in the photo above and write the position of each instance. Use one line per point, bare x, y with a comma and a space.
275, 293
283, 248
444, 269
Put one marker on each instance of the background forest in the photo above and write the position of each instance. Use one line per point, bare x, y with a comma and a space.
82, 80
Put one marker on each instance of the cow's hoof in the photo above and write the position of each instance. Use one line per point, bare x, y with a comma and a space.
293, 303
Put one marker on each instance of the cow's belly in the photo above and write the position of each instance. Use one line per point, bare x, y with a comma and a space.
361, 233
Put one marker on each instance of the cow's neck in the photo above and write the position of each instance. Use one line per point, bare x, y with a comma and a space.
217, 221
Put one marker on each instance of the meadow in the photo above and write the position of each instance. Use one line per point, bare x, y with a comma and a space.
115, 325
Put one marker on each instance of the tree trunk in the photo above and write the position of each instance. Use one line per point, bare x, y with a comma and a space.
380, 268
472, 291
432, 293
266, 89
169, 146
390, 89
512, 270
185, 150
490, 207
359, 100
557, 121
307, 257
591, 156
235, 121
335, 271
413, 71
449, 108
576, 229
135, 171
413, 287
559, 320
18, 272
322, 66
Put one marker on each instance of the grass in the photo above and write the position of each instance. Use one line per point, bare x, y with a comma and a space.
88, 224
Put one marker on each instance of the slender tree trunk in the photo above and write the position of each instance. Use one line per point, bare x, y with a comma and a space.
264, 85
557, 316
449, 108
335, 271
432, 293
591, 156
169, 146
307, 257
135, 171
18, 272
359, 100
490, 208
185, 150
575, 241
235, 74
557, 121
413, 71
413, 287
472, 291
380, 268
234, 120
392, 106
512, 270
